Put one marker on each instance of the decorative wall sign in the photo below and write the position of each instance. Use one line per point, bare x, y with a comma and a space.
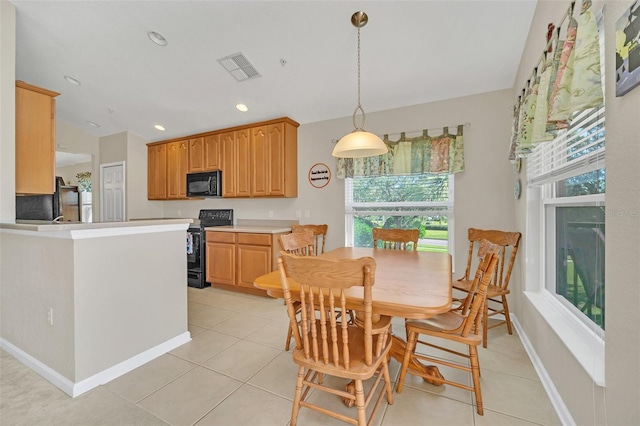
628, 50
319, 175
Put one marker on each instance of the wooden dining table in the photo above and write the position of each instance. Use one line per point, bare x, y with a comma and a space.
408, 284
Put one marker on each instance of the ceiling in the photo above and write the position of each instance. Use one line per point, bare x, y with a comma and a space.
412, 52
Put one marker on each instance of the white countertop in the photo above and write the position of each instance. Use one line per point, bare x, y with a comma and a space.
254, 229
47, 226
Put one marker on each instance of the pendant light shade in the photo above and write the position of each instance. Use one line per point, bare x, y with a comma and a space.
359, 143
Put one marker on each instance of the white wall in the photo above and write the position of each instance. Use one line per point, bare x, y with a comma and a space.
7, 111
617, 403
68, 173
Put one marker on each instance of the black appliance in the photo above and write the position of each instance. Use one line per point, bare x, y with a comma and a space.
197, 247
205, 184
62, 205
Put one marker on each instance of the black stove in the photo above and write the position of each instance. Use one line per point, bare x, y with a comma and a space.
197, 247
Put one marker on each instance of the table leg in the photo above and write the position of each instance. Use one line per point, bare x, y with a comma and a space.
398, 347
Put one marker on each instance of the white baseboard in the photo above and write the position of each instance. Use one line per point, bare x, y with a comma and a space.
556, 400
105, 376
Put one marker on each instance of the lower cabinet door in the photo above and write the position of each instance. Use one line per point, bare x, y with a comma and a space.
221, 263
253, 261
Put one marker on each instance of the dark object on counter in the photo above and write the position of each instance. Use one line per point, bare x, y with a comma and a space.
197, 247
63, 205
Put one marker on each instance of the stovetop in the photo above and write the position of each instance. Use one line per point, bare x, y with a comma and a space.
214, 217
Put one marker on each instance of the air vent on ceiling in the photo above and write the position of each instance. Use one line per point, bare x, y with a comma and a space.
239, 67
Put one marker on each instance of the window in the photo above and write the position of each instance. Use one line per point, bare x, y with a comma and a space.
569, 174
421, 201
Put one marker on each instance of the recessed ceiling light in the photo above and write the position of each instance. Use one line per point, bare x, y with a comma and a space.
157, 38
242, 107
72, 80
159, 127
92, 124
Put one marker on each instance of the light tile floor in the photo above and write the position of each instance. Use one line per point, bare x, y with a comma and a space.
234, 371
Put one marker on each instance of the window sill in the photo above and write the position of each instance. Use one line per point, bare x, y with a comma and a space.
584, 344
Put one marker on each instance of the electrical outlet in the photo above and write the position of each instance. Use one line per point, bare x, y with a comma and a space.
307, 214
50, 316
270, 213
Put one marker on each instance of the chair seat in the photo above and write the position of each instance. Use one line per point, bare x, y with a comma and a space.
441, 324
492, 290
358, 370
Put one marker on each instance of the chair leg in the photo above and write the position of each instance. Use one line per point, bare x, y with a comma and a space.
506, 314
289, 334
387, 380
485, 323
412, 337
297, 397
362, 415
475, 373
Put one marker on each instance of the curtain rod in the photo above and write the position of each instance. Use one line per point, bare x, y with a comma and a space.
417, 132
421, 131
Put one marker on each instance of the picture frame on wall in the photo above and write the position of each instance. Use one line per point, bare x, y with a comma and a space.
628, 50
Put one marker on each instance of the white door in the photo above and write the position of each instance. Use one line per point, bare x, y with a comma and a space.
112, 191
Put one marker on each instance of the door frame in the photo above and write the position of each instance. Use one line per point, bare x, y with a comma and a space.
124, 189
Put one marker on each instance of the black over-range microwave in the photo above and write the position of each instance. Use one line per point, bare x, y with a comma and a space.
205, 184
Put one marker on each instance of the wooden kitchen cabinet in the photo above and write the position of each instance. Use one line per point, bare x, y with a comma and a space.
35, 139
237, 258
177, 165
212, 156
196, 155
235, 163
221, 258
157, 172
257, 160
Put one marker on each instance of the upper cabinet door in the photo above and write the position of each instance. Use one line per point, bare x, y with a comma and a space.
229, 164
276, 160
212, 152
177, 164
259, 162
196, 155
157, 172
243, 172
35, 140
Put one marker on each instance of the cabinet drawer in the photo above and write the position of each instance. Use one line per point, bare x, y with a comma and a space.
254, 239
221, 237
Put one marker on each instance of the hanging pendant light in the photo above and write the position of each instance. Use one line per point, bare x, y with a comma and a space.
359, 143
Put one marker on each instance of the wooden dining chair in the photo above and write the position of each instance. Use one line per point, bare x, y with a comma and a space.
499, 285
398, 239
454, 326
298, 243
301, 244
319, 233
327, 345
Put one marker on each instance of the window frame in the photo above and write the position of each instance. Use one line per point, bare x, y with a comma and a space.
443, 208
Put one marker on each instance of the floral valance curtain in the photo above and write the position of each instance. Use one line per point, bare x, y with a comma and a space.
568, 81
418, 155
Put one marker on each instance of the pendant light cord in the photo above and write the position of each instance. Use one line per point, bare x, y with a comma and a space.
359, 106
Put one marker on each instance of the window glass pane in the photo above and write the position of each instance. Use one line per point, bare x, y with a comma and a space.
406, 188
434, 231
584, 184
580, 247
423, 202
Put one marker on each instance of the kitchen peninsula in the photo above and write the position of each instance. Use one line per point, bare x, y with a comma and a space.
83, 303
